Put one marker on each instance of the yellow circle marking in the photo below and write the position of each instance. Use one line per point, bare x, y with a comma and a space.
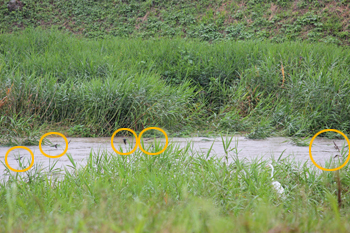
19, 147
312, 140
166, 141
51, 156
121, 153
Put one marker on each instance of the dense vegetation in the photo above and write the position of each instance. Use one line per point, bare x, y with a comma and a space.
209, 20
204, 66
93, 87
48, 77
176, 192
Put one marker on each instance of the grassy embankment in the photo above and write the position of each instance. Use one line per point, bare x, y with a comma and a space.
55, 81
276, 20
176, 192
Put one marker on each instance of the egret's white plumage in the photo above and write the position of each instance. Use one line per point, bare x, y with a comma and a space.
277, 185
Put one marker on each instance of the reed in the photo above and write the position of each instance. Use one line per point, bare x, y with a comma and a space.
294, 88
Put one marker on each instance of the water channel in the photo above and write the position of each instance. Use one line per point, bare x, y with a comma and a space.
80, 148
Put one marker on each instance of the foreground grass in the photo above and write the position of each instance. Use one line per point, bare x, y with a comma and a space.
175, 192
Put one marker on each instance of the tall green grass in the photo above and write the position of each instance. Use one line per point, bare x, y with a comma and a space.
258, 87
177, 191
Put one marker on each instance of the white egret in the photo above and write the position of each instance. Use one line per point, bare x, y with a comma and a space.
277, 185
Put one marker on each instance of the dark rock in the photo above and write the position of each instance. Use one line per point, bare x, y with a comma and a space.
14, 5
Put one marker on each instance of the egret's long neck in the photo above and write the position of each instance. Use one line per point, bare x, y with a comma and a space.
272, 170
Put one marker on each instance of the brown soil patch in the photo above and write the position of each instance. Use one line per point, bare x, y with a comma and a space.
142, 19
342, 12
282, 229
273, 9
230, 20
224, 6
241, 4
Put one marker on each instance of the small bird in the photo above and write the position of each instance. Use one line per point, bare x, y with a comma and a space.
336, 147
18, 158
277, 185
124, 140
57, 145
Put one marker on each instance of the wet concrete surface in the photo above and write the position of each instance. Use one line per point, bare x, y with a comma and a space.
80, 148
